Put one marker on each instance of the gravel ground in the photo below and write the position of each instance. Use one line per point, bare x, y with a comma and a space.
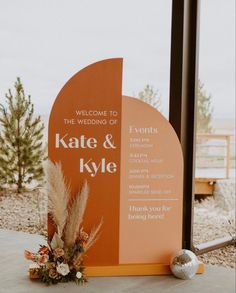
25, 212
211, 222
28, 212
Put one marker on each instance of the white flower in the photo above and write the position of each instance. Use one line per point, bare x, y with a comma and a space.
34, 266
63, 269
78, 275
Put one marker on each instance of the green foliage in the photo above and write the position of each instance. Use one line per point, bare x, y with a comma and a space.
43, 272
21, 146
204, 110
151, 97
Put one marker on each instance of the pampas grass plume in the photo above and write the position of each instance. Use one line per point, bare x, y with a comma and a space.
76, 214
58, 195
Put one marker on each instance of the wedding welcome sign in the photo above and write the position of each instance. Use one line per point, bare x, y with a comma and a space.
132, 160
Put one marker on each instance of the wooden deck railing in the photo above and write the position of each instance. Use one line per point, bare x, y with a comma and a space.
212, 150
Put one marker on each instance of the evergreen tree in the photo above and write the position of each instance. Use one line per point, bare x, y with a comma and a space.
204, 110
151, 97
21, 147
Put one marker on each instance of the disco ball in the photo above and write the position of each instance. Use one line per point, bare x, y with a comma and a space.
184, 264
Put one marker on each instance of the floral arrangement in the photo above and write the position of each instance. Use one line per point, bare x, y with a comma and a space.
62, 259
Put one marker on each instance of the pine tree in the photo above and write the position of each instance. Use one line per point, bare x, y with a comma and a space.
21, 146
204, 110
151, 97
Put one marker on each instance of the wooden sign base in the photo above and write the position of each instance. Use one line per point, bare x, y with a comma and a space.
132, 270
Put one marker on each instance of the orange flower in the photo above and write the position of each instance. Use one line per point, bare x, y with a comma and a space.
43, 250
42, 259
29, 255
53, 274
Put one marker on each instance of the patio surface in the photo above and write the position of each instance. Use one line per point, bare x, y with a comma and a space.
14, 279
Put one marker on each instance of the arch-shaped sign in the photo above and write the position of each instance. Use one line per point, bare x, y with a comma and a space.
132, 160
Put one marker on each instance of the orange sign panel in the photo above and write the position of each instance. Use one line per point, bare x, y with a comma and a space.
151, 186
130, 156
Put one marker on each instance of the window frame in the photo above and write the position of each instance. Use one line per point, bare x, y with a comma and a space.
183, 97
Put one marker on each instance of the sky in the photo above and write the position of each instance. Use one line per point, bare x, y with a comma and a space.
46, 42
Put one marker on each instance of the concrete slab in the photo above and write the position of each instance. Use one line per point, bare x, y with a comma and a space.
14, 279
